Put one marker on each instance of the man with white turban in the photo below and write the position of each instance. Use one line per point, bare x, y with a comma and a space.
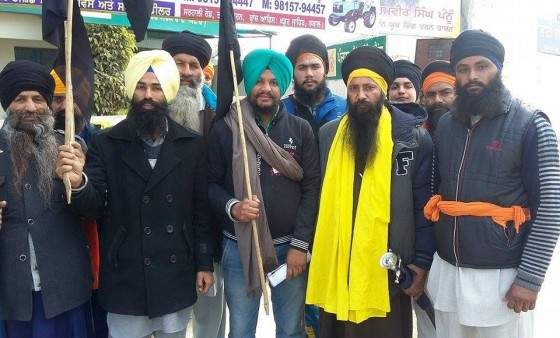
146, 179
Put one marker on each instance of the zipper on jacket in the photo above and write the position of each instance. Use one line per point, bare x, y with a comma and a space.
457, 190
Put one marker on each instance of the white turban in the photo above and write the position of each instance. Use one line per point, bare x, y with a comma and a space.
163, 66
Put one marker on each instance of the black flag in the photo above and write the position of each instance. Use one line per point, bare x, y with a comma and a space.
139, 13
228, 41
54, 13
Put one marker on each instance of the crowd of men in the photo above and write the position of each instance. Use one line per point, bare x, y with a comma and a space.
174, 216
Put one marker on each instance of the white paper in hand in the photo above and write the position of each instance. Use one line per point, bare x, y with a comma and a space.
279, 274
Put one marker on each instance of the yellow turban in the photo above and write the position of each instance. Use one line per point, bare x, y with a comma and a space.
209, 71
162, 65
59, 87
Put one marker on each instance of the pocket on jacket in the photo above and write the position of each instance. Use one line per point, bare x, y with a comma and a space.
59, 191
115, 246
187, 233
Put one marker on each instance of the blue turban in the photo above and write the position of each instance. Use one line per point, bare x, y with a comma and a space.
258, 60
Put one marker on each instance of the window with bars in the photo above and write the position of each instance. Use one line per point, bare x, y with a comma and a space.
42, 56
435, 51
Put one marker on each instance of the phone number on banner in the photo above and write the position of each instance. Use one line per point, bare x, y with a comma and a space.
294, 6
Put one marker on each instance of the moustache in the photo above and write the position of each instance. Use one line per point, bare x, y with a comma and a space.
474, 83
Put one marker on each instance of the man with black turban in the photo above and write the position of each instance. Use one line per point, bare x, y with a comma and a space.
45, 275
195, 104
498, 210
145, 178
406, 85
283, 165
376, 163
438, 91
312, 100
194, 108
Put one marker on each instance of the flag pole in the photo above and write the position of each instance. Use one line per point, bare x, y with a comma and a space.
69, 115
264, 284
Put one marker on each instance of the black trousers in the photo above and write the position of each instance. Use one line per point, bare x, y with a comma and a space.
397, 324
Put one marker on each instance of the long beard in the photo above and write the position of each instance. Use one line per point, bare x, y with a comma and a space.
148, 121
32, 145
185, 108
361, 131
310, 97
487, 102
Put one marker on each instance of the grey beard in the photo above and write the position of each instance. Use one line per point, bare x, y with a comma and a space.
35, 148
185, 108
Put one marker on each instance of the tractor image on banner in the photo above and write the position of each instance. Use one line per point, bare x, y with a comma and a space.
350, 12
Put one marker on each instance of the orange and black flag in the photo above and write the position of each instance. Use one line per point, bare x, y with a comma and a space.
227, 41
54, 14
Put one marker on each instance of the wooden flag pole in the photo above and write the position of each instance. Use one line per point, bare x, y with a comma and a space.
264, 284
69, 128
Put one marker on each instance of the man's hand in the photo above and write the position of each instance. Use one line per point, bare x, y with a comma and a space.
296, 262
71, 160
246, 210
2, 206
520, 299
417, 287
204, 280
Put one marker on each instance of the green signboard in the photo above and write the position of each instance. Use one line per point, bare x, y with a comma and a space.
337, 53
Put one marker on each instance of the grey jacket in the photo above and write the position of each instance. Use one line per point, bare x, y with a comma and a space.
60, 247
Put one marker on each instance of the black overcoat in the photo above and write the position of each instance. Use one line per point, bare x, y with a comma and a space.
155, 230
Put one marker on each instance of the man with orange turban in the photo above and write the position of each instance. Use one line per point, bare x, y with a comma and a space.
438, 91
208, 74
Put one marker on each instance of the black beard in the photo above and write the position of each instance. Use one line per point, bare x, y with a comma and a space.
433, 119
361, 131
264, 110
310, 97
60, 121
147, 121
487, 102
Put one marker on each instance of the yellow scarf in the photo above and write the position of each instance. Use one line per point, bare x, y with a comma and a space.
345, 277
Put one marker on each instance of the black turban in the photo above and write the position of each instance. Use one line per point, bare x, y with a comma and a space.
405, 68
437, 66
23, 75
188, 43
371, 58
477, 42
308, 44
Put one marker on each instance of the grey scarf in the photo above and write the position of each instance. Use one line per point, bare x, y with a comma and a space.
279, 159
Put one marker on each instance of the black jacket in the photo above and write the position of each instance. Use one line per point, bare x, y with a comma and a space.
291, 207
156, 228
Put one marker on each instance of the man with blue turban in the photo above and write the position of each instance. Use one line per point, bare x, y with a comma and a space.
283, 166
145, 178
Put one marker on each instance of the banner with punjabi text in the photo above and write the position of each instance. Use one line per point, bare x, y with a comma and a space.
429, 18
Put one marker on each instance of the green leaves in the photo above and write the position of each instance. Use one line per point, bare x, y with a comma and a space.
112, 47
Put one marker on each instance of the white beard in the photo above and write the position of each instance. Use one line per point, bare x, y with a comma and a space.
185, 108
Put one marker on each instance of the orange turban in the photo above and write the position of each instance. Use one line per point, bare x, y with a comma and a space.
59, 87
209, 71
